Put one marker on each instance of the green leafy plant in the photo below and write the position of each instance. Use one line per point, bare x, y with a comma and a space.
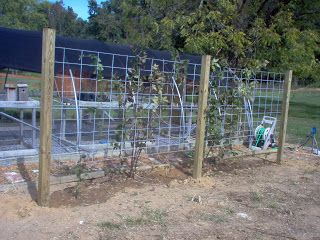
97, 73
96, 61
221, 102
80, 170
136, 128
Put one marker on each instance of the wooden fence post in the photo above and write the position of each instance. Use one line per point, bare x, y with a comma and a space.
47, 80
201, 118
284, 114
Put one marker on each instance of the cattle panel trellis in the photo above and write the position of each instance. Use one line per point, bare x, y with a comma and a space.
105, 106
241, 100
94, 101
97, 94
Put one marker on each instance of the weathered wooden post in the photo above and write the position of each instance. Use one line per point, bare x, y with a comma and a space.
201, 118
284, 114
47, 71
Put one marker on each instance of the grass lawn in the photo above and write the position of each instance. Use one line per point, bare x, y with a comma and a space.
33, 84
304, 113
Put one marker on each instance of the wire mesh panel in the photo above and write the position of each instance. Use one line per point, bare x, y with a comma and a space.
18, 130
110, 107
240, 104
108, 104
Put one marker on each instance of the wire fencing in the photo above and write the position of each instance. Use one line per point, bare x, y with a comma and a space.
109, 107
111, 102
239, 101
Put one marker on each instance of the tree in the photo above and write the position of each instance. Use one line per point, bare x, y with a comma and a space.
63, 19
104, 22
245, 33
21, 14
35, 15
286, 46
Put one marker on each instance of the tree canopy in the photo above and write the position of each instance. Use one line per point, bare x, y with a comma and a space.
36, 14
273, 34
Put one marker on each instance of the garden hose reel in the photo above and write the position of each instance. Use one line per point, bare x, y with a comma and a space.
264, 134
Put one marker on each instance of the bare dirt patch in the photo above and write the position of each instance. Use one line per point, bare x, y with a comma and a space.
237, 199
101, 189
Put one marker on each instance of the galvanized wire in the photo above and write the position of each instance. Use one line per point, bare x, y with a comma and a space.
88, 117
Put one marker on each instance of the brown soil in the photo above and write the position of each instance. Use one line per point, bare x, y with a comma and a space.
237, 199
100, 190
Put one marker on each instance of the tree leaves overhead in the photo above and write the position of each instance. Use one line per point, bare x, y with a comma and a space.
36, 14
21, 14
273, 34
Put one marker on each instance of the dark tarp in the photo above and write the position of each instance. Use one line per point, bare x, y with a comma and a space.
20, 49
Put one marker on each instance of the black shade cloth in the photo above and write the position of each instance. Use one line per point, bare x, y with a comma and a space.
21, 50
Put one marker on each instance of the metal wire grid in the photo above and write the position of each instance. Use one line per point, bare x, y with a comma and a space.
88, 115
239, 95
15, 135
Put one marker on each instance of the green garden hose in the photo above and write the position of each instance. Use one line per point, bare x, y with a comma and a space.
259, 134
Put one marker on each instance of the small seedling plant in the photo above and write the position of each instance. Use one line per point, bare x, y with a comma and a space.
80, 171
135, 129
138, 127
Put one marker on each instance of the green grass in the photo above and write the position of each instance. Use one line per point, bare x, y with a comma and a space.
229, 211
33, 83
215, 218
147, 217
272, 205
256, 196
109, 225
304, 113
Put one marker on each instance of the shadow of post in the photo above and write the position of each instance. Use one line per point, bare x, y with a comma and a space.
31, 185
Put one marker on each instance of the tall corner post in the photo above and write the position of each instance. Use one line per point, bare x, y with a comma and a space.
201, 118
284, 114
47, 81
